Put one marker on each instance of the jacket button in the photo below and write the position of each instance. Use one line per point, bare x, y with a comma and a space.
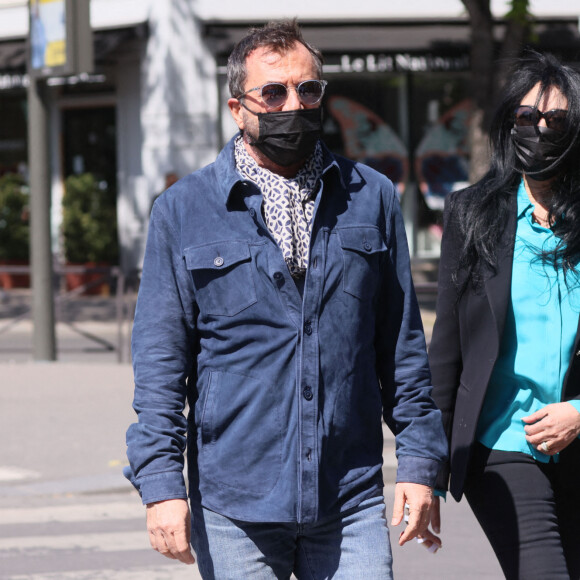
367, 246
308, 327
278, 276
219, 261
252, 212
307, 393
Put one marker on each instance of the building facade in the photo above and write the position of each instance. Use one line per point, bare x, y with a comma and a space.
154, 105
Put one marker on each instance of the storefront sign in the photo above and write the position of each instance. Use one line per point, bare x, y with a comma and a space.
402, 62
19, 81
15, 81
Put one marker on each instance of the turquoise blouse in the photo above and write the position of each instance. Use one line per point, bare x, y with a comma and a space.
537, 343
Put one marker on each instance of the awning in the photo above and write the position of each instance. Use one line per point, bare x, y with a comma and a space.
559, 35
106, 42
12, 55
353, 36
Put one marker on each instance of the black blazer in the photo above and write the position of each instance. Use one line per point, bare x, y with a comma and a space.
465, 345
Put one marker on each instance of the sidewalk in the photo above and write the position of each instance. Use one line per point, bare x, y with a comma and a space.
63, 428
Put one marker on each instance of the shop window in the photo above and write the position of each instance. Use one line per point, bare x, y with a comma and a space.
411, 127
90, 171
13, 139
441, 147
362, 122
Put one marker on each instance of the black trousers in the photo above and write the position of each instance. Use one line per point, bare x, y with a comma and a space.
529, 511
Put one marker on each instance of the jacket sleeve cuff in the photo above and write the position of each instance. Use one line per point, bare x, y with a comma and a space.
158, 487
412, 469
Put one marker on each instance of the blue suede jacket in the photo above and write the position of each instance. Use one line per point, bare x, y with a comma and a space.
286, 385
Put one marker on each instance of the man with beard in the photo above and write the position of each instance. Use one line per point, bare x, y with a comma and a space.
277, 301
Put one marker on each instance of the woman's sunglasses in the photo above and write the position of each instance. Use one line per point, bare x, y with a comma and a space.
274, 95
526, 116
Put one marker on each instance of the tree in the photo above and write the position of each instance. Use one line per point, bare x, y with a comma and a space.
490, 63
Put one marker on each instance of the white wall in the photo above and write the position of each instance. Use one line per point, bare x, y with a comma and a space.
132, 195
166, 117
179, 94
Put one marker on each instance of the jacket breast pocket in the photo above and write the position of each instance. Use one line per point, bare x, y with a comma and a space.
362, 249
222, 277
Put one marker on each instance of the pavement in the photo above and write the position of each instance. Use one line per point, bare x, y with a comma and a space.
66, 511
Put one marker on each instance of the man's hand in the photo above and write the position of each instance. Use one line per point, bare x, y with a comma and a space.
436, 514
557, 425
169, 527
420, 500
428, 538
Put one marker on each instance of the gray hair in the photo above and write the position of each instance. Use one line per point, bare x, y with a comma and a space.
279, 36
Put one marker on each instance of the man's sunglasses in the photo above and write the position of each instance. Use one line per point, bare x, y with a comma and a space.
274, 95
526, 116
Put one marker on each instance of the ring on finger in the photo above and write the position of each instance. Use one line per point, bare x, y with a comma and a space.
544, 446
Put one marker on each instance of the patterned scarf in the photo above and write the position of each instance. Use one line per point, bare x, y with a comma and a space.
288, 204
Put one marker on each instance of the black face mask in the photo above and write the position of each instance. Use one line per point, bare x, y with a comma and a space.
539, 151
288, 137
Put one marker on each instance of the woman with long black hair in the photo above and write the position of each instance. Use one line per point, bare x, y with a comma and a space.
505, 351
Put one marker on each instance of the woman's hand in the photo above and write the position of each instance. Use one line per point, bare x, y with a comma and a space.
557, 425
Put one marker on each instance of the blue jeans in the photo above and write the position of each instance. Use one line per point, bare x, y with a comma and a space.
353, 545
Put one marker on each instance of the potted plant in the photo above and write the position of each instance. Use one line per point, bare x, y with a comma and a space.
89, 227
14, 229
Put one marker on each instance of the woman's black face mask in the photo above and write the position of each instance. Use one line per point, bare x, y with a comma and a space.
540, 151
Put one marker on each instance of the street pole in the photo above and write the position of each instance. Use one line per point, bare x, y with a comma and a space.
53, 50
44, 340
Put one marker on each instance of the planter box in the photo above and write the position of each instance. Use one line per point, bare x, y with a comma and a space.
10, 280
89, 279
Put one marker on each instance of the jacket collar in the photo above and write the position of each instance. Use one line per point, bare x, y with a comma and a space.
227, 174
498, 285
